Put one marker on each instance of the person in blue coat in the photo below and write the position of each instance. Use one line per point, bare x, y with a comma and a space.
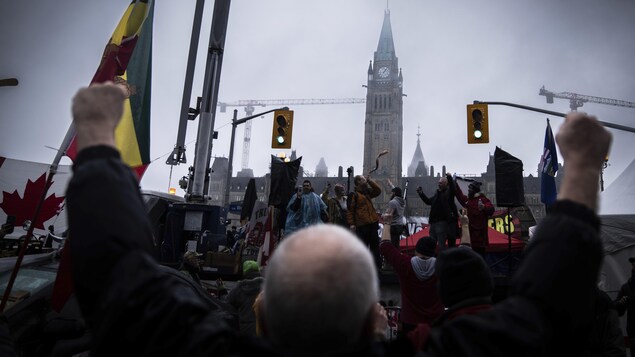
305, 208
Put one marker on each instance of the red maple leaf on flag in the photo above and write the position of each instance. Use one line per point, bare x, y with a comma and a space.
24, 208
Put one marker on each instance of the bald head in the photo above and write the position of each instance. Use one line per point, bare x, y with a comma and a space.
319, 290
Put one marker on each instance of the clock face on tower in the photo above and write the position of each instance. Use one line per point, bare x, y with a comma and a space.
383, 72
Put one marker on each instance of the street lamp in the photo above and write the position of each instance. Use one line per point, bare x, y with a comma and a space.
235, 123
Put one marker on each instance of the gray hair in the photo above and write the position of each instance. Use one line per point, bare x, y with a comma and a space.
320, 289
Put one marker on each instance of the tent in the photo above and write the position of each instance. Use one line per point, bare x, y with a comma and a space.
618, 239
498, 242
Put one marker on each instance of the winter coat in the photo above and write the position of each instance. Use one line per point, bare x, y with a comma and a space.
397, 205
420, 301
442, 206
478, 218
242, 298
360, 206
304, 211
337, 212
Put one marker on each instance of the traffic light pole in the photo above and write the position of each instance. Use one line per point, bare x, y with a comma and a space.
235, 123
608, 125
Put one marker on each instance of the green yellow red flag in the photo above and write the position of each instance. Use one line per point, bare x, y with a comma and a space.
127, 59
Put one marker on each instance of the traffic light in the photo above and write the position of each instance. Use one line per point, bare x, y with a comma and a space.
282, 129
477, 124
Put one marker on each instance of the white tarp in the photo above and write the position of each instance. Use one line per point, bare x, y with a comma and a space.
619, 196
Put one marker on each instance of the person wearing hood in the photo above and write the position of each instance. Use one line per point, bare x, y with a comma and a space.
465, 285
243, 296
305, 208
625, 303
396, 206
479, 209
420, 300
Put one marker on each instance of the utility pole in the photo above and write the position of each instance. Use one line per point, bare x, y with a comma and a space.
608, 125
235, 123
208, 104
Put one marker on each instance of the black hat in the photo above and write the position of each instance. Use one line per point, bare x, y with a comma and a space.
631, 260
426, 246
475, 186
397, 191
462, 274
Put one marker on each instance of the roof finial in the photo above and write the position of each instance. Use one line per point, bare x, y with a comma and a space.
387, 7
418, 132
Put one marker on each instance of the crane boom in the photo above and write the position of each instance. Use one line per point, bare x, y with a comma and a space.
577, 100
249, 105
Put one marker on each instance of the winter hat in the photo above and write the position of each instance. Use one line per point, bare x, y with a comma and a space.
426, 246
397, 191
475, 186
249, 266
462, 275
191, 258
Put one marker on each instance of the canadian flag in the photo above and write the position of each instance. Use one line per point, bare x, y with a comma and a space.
21, 186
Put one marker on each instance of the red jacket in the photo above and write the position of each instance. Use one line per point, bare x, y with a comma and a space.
478, 218
420, 301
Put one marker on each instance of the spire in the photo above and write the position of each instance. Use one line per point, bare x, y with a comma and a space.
386, 46
417, 162
370, 67
321, 170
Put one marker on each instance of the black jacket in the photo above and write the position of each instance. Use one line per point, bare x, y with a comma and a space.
442, 206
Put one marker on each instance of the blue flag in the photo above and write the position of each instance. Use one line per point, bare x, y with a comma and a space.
548, 168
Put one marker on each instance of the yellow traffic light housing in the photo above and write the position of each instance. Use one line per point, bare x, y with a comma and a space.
282, 129
477, 124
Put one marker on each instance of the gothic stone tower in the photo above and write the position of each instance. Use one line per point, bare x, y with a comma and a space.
383, 128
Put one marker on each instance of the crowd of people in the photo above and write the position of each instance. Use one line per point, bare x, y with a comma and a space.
320, 292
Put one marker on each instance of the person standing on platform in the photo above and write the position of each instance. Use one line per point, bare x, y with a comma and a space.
443, 214
396, 207
479, 209
362, 217
305, 208
336, 206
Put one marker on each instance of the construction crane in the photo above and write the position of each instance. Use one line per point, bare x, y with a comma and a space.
250, 104
578, 100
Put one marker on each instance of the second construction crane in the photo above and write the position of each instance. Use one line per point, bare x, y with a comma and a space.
250, 104
577, 100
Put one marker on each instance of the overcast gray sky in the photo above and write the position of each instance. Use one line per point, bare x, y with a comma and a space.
451, 53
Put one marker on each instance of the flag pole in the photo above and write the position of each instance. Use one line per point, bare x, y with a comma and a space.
25, 244
66, 142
